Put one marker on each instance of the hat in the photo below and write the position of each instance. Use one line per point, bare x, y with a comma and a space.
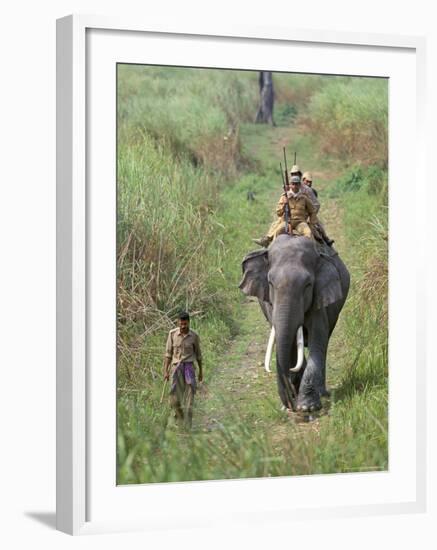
308, 176
295, 179
295, 169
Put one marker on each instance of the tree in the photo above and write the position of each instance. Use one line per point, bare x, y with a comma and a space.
265, 109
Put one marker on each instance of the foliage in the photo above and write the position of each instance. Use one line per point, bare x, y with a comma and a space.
285, 114
372, 179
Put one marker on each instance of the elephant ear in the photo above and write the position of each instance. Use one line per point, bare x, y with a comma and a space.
327, 286
254, 281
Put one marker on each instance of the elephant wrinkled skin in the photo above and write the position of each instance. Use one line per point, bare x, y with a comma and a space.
297, 285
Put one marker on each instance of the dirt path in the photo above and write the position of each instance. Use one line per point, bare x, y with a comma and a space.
240, 383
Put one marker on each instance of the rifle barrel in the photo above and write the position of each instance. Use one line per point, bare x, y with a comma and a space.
286, 209
286, 168
282, 174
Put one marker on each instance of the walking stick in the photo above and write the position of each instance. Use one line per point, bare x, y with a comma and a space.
163, 391
165, 382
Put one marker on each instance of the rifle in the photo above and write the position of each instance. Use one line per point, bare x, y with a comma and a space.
285, 185
286, 169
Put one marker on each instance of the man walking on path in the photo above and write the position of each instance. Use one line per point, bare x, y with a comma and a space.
181, 350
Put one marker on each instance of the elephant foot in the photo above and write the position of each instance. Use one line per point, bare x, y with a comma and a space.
309, 402
309, 408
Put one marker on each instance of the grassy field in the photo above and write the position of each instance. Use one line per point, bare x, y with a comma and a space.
188, 154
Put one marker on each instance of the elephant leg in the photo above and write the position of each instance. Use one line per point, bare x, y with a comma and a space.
313, 384
311, 387
324, 392
297, 378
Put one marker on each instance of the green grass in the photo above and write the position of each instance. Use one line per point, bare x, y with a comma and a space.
184, 224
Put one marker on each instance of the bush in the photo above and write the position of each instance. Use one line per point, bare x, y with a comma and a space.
372, 180
285, 114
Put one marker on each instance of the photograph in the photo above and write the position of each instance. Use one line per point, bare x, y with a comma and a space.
252, 274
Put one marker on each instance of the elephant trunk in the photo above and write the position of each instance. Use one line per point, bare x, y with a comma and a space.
288, 323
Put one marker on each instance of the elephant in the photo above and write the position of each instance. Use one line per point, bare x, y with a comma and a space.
301, 287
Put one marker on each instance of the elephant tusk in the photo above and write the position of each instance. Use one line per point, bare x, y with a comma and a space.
299, 342
269, 350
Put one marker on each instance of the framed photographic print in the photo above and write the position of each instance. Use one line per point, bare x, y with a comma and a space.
238, 317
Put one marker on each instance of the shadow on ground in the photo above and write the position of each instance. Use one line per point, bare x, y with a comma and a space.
46, 518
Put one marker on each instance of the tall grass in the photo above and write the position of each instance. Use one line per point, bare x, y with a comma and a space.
363, 385
194, 111
178, 143
350, 118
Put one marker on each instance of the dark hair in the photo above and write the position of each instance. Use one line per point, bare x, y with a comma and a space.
183, 316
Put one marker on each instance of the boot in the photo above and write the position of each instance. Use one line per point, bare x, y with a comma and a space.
325, 237
263, 241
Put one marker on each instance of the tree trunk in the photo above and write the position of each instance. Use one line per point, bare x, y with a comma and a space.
265, 109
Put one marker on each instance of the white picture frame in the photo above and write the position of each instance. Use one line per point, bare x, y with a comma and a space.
76, 349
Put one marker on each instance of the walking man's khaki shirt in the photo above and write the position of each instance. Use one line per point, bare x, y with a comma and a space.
183, 347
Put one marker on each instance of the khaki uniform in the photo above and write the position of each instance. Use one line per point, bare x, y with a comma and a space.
183, 350
278, 226
306, 190
183, 347
301, 209
312, 195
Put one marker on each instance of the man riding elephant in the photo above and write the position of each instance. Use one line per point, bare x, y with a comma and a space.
303, 214
307, 179
307, 187
278, 226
